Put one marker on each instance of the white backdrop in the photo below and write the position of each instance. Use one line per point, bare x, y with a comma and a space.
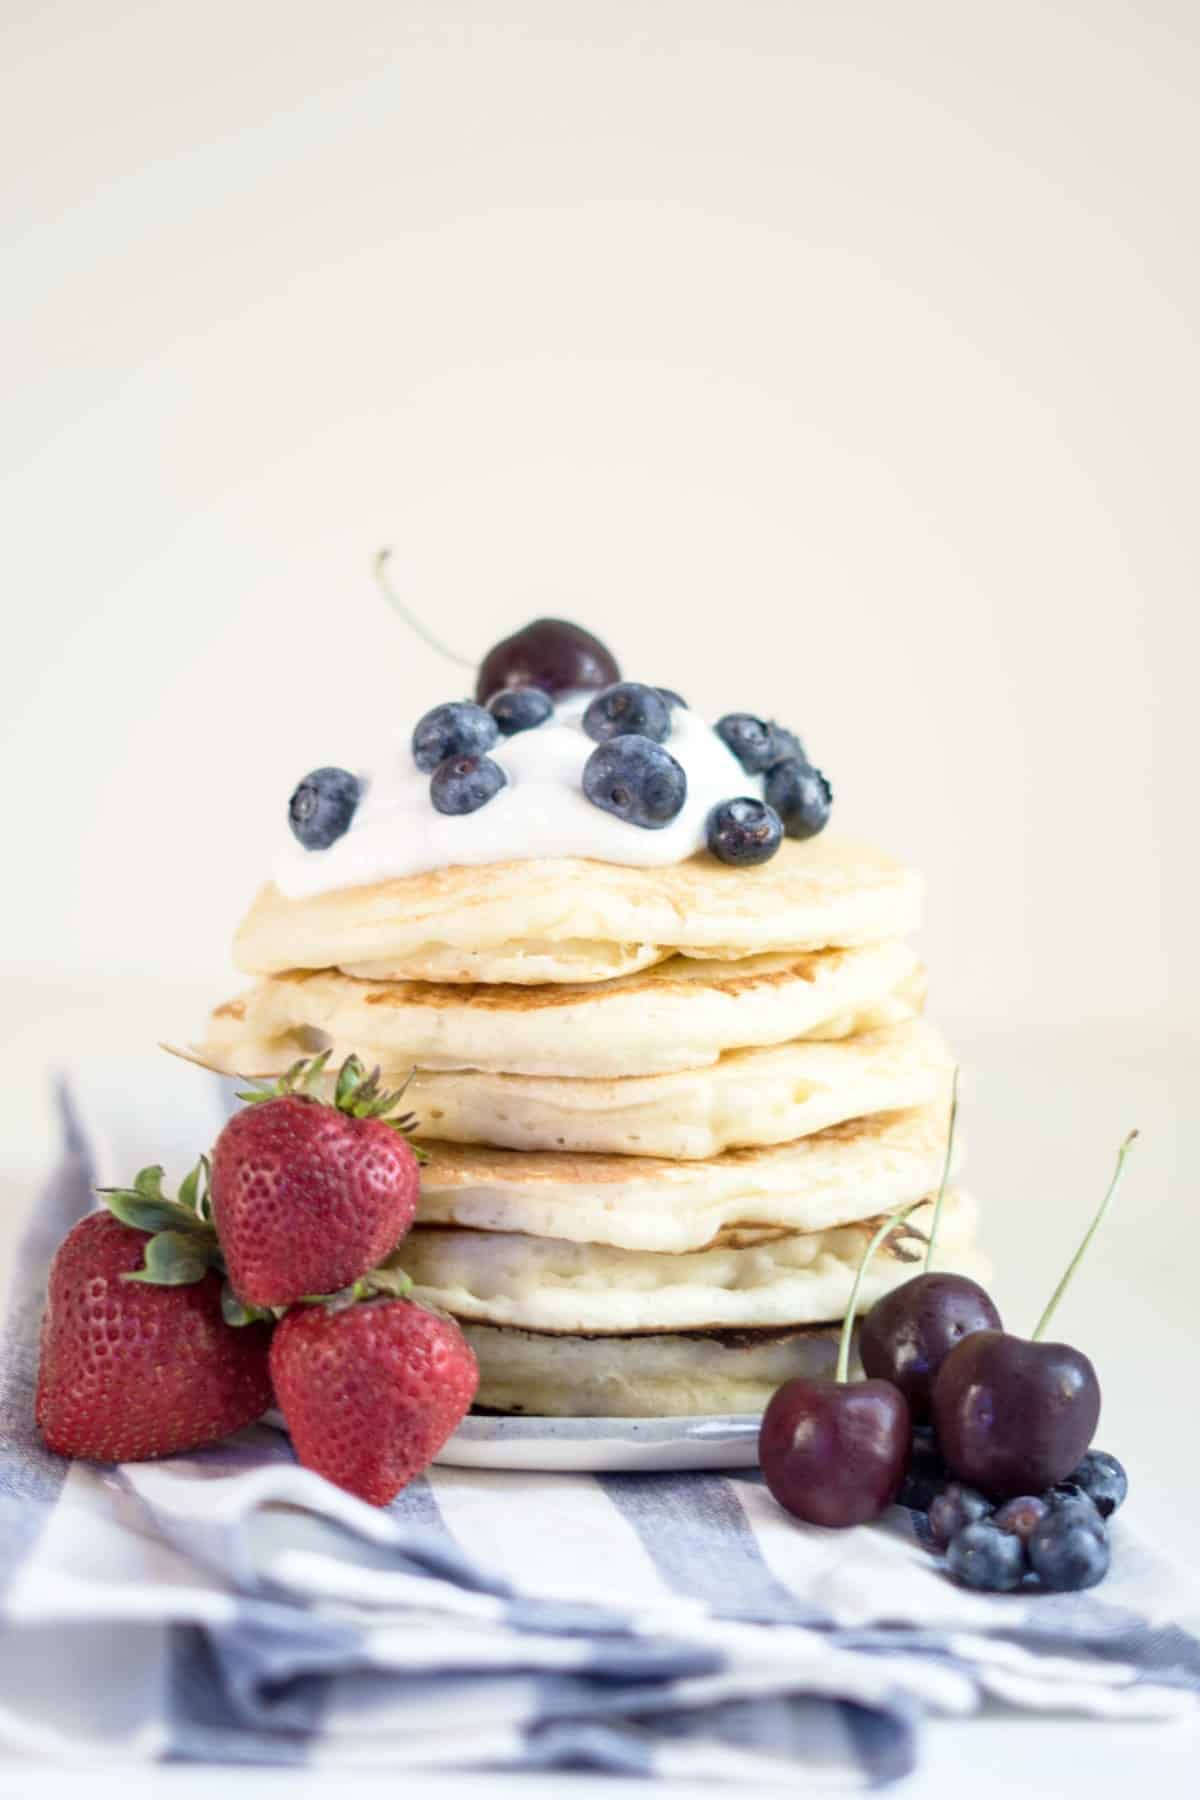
840, 363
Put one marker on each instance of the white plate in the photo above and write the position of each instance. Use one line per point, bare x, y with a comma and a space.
709, 1441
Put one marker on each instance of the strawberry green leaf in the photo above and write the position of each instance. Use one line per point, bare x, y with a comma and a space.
147, 1208
151, 1215
173, 1259
352, 1078
308, 1076
339, 1301
393, 1282
195, 1187
237, 1312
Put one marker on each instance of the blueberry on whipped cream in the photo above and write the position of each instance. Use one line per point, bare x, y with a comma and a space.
636, 779
462, 784
757, 743
459, 728
520, 709
744, 832
320, 810
628, 708
801, 796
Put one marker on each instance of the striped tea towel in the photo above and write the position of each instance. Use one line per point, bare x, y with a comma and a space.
231, 1606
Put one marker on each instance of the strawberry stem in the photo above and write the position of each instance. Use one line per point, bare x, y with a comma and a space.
1088, 1235
383, 582
937, 1209
842, 1372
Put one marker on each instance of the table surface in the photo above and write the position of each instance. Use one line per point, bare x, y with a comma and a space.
1042, 1115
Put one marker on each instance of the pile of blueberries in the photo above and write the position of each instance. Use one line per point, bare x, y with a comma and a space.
630, 774
1059, 1537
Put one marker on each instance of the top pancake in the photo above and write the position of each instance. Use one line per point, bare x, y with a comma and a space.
575, 920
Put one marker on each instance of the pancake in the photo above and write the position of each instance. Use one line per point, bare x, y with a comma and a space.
682, 1014
769, 1096
863, 1169
552, 1285
648, 1377
510, 921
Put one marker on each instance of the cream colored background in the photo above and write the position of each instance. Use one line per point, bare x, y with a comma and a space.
836, 361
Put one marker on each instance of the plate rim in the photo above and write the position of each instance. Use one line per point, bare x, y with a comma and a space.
529, 1427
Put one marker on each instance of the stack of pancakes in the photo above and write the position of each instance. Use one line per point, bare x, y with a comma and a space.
664, 1108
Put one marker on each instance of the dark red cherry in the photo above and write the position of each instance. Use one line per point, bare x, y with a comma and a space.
551, 654
834, 1452
1013, 1415
907, 1334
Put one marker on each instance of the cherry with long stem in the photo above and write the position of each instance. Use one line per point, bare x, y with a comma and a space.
1015, 1415
551, 654
834, 1452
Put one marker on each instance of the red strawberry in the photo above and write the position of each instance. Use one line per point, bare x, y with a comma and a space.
129, 1370
308, 1196
371, 1392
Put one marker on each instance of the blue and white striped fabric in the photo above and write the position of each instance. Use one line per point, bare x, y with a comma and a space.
230, 1606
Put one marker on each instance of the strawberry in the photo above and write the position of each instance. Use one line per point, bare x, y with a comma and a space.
371, 1391
130, 1369
308, 1195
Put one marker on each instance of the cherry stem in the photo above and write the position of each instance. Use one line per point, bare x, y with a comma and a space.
842, 1372
384, 584
1092, 1229
937, 1209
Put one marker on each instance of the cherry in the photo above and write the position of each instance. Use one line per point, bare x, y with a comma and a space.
907, 1334
550, 654
1014, 1416
834, 1452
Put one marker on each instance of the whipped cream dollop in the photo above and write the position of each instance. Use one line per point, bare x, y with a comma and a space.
541, 811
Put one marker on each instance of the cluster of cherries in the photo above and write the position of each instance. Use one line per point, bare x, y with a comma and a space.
986, 1433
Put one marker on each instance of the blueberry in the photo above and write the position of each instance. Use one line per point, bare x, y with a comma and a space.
456, 729
637, 780
628, 708
757, 743
322, 807
744, 832
1071, 1504
462, 784
1021, 1516
984, 1557
673, 699
955, 1509
801, 796
785, 744
1066, 1554
749, 738
519, 709
1101, 1477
